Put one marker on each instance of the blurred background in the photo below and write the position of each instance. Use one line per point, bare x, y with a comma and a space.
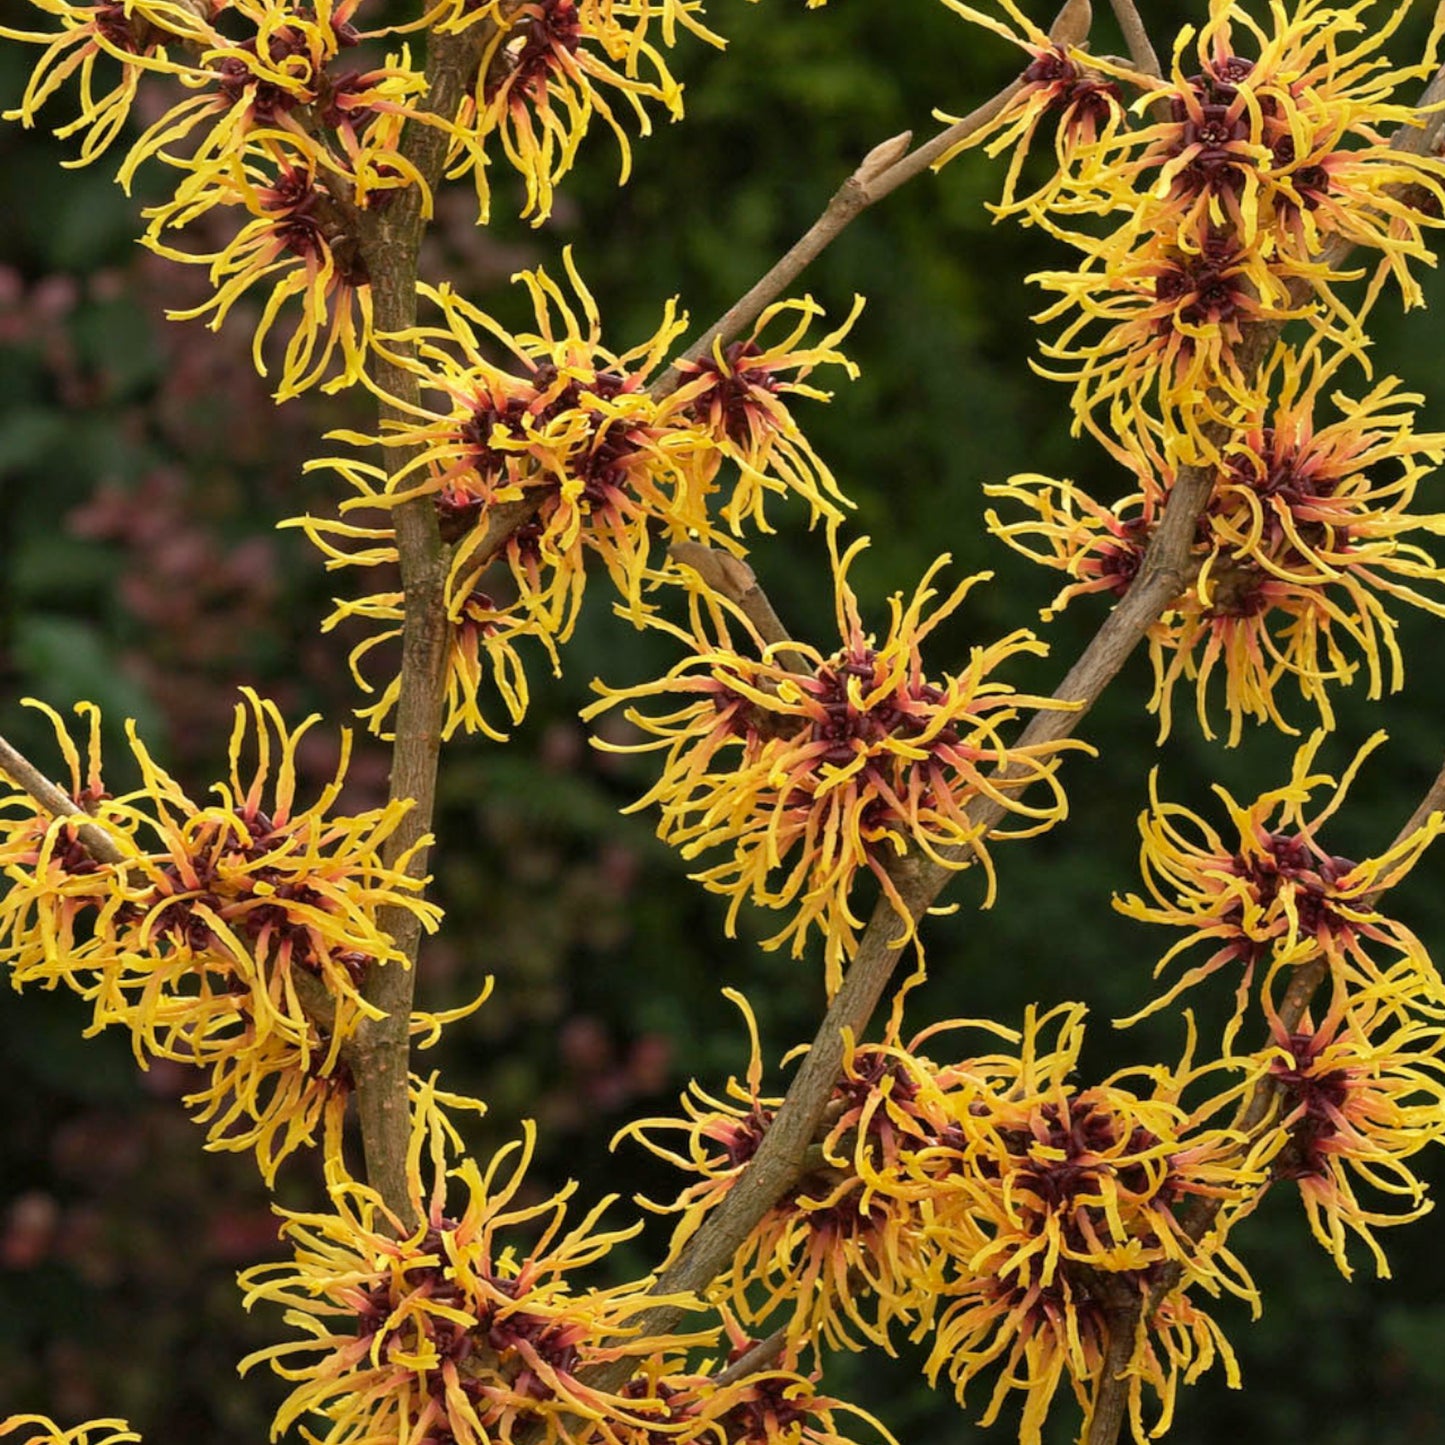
143, 470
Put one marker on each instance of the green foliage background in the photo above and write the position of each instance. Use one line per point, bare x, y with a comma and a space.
142, 471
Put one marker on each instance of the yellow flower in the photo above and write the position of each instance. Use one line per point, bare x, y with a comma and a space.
1268, 893
277, 79
1248, 169
482, 635
544, 74
1286, 144
1360, 1093
297, 241
806, 779
465, 1321
1298, 554
734, 398
1058, 82
134, 35
1050, 1199
42, 1430
572, 427
233, 936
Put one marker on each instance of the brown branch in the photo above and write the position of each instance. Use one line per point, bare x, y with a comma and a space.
30, 780
886, 167
390, 242
1141, 52
1111, 1399
732, 578
783, 1152
754, 1358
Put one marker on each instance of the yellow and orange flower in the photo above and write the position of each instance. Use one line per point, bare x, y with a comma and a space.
136, 36
1055, 1203
545, 72
42, 1430
734, 397
1301, 548
808, 778
1058, 82
460, 1317
234, 936
1360, 1093
1267, 894
298, 242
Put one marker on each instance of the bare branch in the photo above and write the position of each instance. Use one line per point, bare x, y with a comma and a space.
26, 776
1141, 52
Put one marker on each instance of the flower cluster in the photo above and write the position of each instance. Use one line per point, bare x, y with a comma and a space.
275, 128
1300, 551
1360, 1091
572, 437
461, 1319
1267, 895
991, 1207
234, 935
1232, 193
811, 767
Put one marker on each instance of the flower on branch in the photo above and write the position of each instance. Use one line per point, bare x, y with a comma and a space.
278, 80
571, 429
233, 936
546, 71
1267, 895
1242, 184
464, 1319
1299, 552
1360, 1094
1059, 83
297, 240
1058, 1206
135, 36
735, 397
761, 1407
808, 779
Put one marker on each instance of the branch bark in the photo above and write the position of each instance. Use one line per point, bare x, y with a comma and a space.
390, 243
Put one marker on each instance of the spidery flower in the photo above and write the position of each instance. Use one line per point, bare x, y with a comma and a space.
1259, 162
42, 1430
233, 936
546, 70
1058, 83
735, 398
1301, 550
278, 79
1266, 893
1054, 1201
298, 242
758, 1408
133, 36
463, 1318
808, 779
1359, 1094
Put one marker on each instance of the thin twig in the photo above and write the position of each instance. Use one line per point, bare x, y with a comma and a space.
1141, 52
26, 776
886, 167
732, 578
754, 1358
